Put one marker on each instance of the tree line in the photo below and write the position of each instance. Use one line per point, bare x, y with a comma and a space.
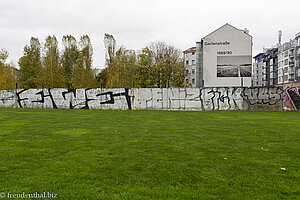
44, 66
157, 65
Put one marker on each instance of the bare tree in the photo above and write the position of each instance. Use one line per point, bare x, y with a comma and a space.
167, 64
164, 52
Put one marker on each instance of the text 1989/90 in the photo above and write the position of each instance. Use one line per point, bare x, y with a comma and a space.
224, 52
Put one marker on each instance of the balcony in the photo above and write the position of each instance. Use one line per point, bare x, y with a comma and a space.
271, 76
291, 63
291, 71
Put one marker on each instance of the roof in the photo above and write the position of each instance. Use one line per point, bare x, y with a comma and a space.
224, 26
190, 49
258, 55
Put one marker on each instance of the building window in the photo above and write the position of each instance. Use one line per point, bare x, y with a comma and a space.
193, 53
193, 71
193, 62
286, 54
187, 71
187, 62
286, 62
193, 81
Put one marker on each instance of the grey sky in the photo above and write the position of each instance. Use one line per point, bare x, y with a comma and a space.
136, 23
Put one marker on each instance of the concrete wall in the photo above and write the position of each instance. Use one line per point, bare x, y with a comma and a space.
292, 98
222, 98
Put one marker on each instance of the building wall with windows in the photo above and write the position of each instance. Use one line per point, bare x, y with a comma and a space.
270, 71
286, 62
257, 70
297, 57
281, 64
189, 57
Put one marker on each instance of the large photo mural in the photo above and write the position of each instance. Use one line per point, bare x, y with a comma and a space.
234, 66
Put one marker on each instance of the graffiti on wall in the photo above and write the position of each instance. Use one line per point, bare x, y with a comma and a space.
292, 98
238, 98
227, 98
7, 99
221, 99
74, 98
166, 98
269, 96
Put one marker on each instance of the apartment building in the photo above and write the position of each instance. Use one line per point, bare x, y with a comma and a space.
278, 65
286, 62
189, 57
297, 58
270, 67
257, 70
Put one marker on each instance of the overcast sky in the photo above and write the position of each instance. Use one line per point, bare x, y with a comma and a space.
136, 23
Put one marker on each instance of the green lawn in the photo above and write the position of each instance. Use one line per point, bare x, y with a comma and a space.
80, 154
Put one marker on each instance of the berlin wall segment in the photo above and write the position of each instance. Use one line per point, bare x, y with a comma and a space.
242, 98
166, 98
218, 98
292, 98
264, 98
7, 99
221, 98
60, 98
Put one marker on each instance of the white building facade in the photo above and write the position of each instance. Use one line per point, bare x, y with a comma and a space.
297, 58
286, 62
189, 57
224, 58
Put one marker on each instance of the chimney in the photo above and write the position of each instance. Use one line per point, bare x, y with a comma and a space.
279, 37
246, 30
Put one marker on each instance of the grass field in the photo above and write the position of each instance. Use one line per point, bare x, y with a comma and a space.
80, 154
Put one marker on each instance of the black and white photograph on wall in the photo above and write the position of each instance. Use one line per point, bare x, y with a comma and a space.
234, 66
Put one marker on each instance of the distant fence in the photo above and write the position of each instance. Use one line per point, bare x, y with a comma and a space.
225, 98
